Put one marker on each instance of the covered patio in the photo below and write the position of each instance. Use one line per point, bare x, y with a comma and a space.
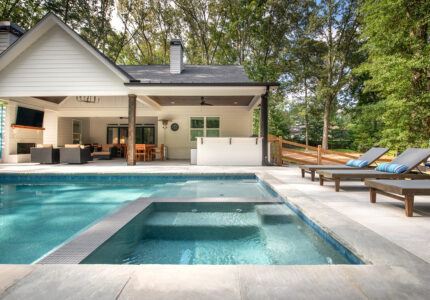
87, 99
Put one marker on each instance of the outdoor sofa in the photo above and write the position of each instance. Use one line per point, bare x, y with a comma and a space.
75, 154
45, 154
107, 151
411, 158
370, 157
407, 189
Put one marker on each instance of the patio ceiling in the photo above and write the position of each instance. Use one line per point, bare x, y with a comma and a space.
195, 100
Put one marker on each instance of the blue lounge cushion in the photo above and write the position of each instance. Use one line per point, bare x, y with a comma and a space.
357, 163
391, 168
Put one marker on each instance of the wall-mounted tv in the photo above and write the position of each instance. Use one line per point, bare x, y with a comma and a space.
29, 117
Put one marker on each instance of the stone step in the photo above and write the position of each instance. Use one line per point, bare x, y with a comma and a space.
275, 214
202, 219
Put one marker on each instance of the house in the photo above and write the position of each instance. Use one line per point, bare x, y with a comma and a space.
86, 98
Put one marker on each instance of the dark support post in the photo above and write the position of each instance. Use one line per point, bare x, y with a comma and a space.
264, 124
131, 143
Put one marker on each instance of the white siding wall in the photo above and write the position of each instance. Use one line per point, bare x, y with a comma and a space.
234, 122
57, 65
6, 39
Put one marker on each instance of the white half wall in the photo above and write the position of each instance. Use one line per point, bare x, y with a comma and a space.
226, 151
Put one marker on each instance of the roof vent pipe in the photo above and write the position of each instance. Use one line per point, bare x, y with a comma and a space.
9, 33
176, 56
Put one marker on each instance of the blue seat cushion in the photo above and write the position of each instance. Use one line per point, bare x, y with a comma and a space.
357, 163
391, 168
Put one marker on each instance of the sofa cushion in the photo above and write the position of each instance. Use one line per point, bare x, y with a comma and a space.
44, 146
72, 146
102, 153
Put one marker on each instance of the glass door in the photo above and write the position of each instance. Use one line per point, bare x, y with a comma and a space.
119, 135
145, 135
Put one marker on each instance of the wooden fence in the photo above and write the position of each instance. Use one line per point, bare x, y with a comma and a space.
280, 153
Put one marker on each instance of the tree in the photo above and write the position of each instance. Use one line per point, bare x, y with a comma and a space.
398, 64
337, 24
304, 67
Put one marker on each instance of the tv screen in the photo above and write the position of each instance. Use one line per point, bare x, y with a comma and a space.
29, 117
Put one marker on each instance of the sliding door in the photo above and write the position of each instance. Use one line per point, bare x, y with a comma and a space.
119, 135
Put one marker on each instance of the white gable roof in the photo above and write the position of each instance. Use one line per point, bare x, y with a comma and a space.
53, 60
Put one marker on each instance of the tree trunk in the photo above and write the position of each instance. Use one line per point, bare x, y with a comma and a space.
327, 108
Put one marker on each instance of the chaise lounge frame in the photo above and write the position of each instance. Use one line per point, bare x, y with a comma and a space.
371, 156
407, 189
412, 157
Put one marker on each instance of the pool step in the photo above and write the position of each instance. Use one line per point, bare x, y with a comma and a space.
193, 232
202, 219
275, 214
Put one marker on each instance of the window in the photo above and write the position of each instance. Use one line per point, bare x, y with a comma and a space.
77, 131
119, 135
204, 127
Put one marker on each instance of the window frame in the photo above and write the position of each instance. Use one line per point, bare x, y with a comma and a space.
204, 127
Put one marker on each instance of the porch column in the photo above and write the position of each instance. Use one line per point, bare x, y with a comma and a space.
264, 124
131, 143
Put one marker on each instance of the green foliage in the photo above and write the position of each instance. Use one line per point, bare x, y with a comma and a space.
397, 35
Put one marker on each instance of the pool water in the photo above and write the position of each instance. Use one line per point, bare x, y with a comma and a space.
39, 213
216, 233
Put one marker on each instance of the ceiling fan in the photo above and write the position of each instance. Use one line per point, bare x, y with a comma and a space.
203, 102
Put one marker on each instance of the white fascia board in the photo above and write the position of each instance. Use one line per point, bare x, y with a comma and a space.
197, 90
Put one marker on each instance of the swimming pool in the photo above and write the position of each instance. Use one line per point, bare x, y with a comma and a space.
40, 212
217, 234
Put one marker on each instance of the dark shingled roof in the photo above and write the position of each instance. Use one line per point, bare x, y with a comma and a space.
190, 74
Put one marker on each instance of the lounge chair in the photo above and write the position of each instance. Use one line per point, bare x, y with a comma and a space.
392, 188
45, 154
370, 156
74, 154
411, 158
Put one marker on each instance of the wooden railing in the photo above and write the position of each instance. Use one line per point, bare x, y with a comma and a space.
309, 154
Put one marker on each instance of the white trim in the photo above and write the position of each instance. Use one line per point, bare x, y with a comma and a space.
197, 90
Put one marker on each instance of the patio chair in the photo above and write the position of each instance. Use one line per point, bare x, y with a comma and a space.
45, 154
74, 154
392, 188
158, 151
141, 152
107, 151
411, 158
370, 157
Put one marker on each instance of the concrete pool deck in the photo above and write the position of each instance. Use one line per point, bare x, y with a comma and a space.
396, 247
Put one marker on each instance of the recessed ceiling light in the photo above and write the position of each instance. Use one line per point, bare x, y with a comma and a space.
173, 102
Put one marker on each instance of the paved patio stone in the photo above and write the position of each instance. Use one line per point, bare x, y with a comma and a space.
72, 282
296, 282
183, 282
11, 274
